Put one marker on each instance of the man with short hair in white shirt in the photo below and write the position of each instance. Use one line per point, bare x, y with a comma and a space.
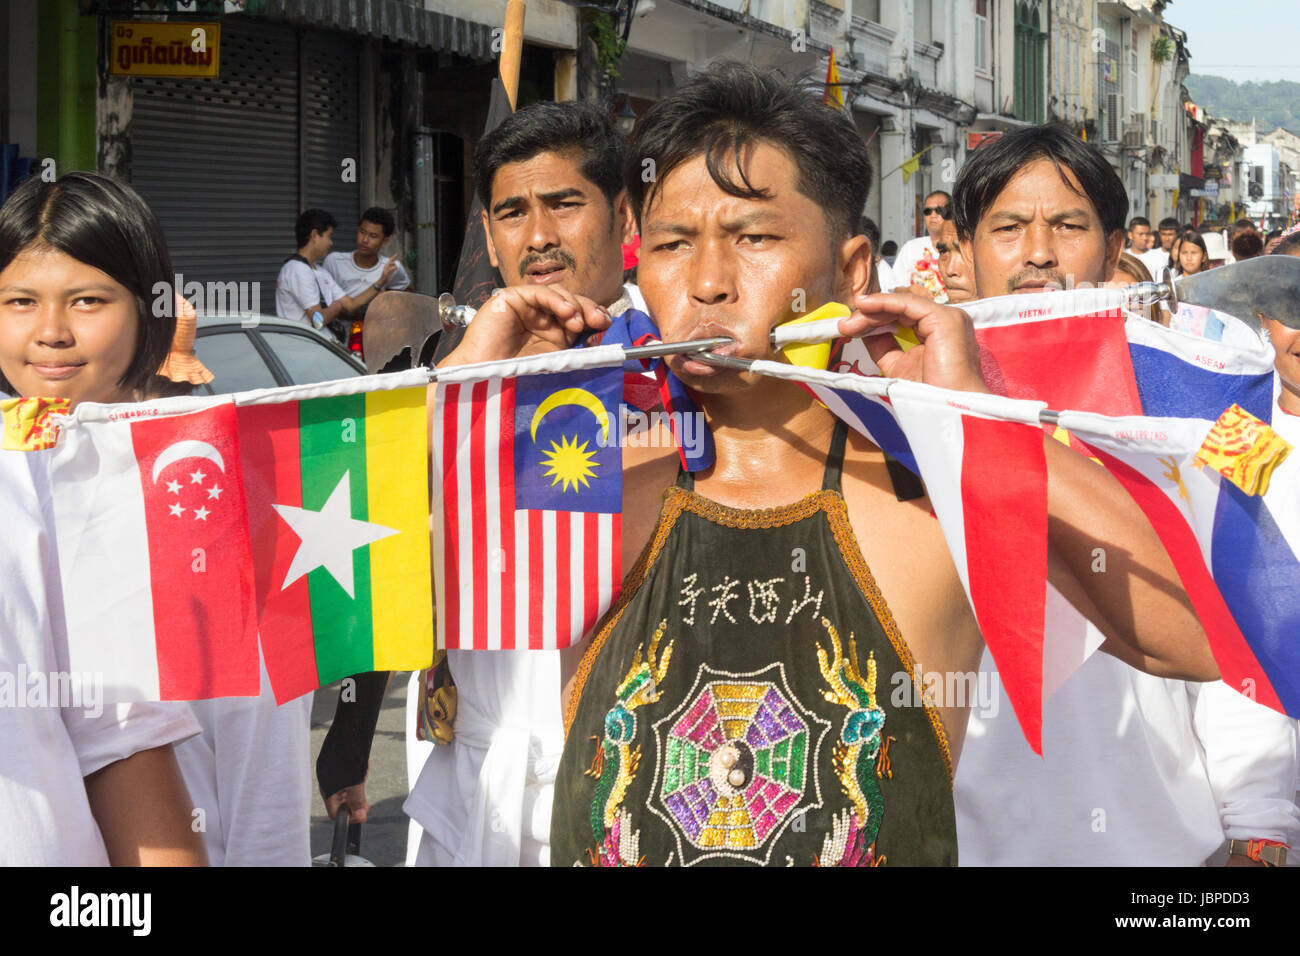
555, 212
306, 293
365, 267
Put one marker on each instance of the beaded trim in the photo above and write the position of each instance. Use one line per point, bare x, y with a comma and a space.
678, 500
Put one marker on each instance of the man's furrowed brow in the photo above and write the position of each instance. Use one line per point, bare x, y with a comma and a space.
555, 195
664, 226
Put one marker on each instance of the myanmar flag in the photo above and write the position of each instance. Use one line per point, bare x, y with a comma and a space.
338, 508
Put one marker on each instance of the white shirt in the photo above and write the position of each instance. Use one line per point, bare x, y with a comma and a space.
885, 273
249, 772
353, 279
46, 751
1156, 260
485, 799
300, 287
918, 263
1136, 771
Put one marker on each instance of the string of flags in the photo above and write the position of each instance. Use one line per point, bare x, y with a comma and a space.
191, 531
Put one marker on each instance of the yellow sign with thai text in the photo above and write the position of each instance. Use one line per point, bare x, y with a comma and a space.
154, 48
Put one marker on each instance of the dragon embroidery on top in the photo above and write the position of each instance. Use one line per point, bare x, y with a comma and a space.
859, 757
617, 760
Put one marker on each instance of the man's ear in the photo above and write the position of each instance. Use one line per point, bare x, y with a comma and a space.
1114, 249
624, 218
967, 248
857, 268
487, 234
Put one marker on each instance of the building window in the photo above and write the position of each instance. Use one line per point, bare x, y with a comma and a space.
1030, 59
982, 35
922, 20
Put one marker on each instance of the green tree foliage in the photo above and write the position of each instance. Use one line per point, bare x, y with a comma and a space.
1272, 104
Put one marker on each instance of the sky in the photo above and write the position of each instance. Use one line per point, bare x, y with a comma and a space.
1241, 39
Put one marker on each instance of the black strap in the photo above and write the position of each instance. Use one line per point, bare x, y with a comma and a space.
835, 457
907, 487
319, 290
685, 479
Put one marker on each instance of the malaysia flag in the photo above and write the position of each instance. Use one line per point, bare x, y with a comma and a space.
527, 529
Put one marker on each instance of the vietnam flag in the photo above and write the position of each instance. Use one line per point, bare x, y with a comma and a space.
154, 551
338, 507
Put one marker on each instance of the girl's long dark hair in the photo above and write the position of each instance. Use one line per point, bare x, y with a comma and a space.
104, 223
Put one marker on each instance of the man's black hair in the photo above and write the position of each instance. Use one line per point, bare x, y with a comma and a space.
1246, 245
989, 168
1242, 225
380, 217
1290, 246
890, 248
947, 198
1168, 223
105, 224
548, 127
867, 227
1138, 221
725, 111
309, 221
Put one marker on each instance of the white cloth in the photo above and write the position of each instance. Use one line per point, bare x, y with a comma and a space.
885, 272
352, 279
45, 751
1156, 260
1136, 771
250, 774
300, 287
485, 799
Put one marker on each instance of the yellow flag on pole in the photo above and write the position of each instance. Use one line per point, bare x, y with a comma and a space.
833, 94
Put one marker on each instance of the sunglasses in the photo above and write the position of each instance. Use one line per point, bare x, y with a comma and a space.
934, 210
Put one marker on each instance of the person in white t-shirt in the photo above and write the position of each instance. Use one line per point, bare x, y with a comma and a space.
82, 783
306, 293
363, 268
916, 269
1157, 259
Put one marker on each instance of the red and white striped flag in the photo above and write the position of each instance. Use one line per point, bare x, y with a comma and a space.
527, 526
985, 470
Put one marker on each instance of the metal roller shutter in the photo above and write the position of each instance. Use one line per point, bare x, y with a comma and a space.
219, 162
331, 122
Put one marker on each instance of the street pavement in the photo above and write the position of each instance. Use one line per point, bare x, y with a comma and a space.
383, 839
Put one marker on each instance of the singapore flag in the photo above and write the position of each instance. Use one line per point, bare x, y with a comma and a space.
154, 553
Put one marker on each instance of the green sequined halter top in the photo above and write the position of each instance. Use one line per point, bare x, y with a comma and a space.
736, 704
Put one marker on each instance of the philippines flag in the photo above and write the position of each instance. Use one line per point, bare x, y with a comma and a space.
1234, 560
527, 538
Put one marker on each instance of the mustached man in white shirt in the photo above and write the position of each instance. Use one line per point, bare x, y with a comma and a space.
306, 293
365, 267
555, 211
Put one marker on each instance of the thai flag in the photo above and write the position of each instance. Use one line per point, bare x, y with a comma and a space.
1233, 558
527, 534
632, 328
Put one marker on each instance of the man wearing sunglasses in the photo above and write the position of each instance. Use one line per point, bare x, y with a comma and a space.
917, 265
